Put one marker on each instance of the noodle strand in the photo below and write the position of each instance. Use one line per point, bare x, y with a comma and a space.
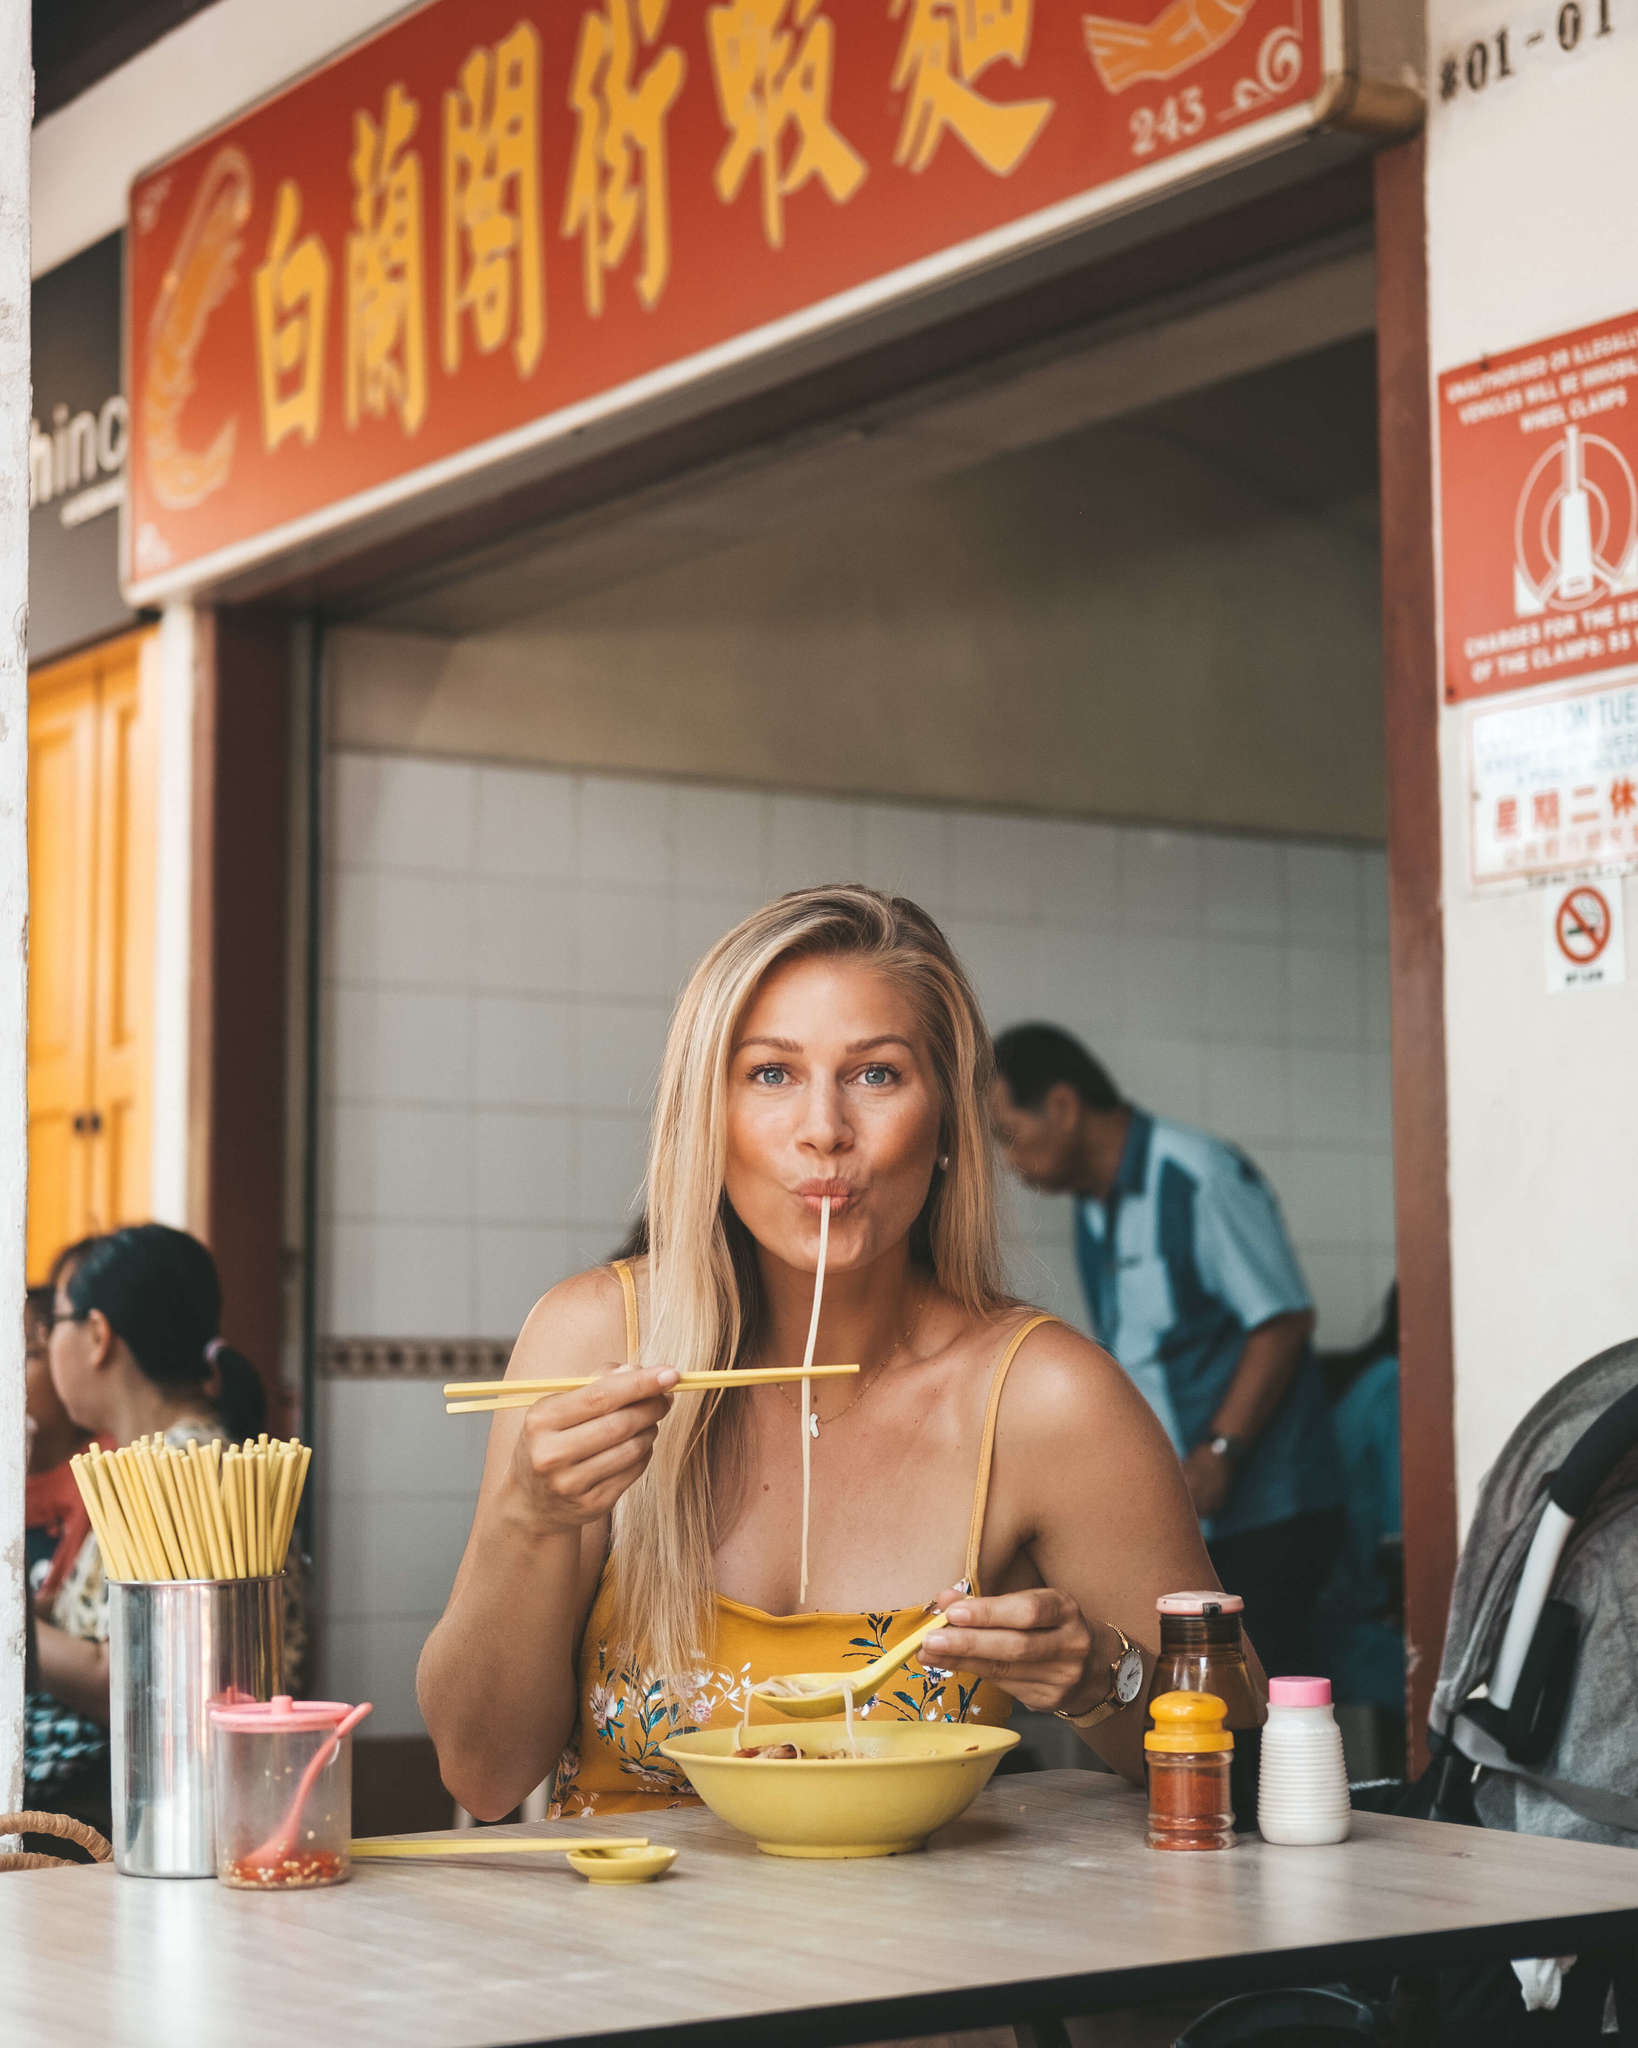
807, 1393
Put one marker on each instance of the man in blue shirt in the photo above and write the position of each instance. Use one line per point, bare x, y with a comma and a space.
1192, 1284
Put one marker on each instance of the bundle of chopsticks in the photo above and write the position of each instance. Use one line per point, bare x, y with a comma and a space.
483, 1397
199, 1511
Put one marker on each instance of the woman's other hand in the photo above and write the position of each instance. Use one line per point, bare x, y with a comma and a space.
578, 1452
1035, 1643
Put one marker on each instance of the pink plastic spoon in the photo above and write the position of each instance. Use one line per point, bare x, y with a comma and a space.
277, 1848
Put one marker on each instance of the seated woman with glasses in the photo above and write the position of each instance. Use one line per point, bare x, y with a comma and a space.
135, 1347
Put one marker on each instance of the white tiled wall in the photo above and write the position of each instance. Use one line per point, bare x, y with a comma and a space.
502, 949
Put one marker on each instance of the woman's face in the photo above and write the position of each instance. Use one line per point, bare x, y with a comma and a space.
830, 1092
77, 1349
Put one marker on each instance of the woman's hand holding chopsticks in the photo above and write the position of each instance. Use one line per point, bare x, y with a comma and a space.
578, 1452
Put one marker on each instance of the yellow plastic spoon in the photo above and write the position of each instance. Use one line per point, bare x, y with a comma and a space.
822, 1692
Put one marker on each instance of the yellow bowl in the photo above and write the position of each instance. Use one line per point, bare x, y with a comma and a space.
622, 1866
909, 1778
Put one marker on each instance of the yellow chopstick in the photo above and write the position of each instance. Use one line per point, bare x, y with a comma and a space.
109, 1526
474, 1395
384, 1847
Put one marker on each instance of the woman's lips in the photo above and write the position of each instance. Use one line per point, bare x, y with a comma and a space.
837, 1193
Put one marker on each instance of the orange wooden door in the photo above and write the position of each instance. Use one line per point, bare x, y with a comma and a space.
122, 1010
62, 842
92, 771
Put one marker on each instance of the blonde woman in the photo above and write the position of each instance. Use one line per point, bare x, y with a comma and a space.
633, 1563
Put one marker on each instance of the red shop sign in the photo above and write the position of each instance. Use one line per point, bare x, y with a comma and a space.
500, 220
1538, 488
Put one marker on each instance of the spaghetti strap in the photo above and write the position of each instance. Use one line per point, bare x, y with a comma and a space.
628, 1288
986, 1448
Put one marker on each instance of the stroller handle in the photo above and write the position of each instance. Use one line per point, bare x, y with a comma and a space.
1595, 1456
1570, 1492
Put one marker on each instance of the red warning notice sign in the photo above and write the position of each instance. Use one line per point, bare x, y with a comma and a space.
1538, 472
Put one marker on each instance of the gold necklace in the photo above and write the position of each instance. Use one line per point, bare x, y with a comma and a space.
865, 1385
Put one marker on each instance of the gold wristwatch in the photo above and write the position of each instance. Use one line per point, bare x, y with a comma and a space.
1125, 1683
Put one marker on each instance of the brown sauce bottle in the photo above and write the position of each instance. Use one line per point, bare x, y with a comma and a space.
1203, 1649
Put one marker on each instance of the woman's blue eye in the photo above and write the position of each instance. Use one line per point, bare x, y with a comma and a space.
761, 1074
876, 1075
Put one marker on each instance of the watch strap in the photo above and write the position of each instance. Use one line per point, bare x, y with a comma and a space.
1109, 1705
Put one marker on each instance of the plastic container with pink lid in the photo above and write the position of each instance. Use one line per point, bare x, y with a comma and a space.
282, 1774
1303, 1793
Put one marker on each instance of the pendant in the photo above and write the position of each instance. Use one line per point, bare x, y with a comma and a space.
813, 1423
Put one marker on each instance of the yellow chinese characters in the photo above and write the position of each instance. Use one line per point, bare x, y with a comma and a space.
292, 301
948, 46
494, 256
386, 264
772, 61
620, 179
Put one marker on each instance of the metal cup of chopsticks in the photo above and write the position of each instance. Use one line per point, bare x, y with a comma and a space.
194, 1542
174, 1647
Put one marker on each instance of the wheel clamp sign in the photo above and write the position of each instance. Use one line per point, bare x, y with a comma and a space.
1538, 486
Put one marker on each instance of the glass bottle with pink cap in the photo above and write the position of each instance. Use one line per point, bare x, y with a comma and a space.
1203, 1649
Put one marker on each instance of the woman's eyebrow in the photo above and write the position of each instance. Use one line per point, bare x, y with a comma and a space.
859, 1045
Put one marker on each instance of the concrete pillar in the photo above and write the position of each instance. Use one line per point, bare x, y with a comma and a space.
16, 110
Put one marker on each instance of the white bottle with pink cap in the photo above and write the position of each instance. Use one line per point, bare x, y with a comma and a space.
1302, 1794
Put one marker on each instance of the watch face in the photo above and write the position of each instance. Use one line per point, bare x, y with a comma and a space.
1129, 1676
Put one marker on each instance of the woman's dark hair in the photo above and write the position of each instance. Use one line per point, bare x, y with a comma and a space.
1031, 1058
69, 1257
162, 1295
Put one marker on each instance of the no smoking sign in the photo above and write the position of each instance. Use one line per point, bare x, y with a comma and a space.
1586, 941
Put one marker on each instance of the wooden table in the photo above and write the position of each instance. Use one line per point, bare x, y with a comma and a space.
1043, 1901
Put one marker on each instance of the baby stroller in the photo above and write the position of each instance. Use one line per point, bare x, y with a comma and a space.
1532, 1727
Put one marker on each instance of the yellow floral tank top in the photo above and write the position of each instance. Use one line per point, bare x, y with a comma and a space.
615, 1764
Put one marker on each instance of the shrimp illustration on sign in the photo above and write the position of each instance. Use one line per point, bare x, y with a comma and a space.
198, 277
1181, 35
1575, 535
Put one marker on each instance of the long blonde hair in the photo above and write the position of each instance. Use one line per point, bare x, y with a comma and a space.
705, 1292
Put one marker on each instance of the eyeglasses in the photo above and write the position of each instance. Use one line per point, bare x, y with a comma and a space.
64, 1315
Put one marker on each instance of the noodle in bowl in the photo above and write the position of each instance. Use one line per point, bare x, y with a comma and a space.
908, 1779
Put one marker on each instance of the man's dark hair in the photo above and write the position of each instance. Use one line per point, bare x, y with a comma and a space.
1035, 1057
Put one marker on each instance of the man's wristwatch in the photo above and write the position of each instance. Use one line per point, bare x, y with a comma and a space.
1230, 1448
1125, 1683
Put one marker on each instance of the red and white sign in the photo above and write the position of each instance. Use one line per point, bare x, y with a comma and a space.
500, 222
1538, 489
1553, 784
1581, 924
1586, 942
